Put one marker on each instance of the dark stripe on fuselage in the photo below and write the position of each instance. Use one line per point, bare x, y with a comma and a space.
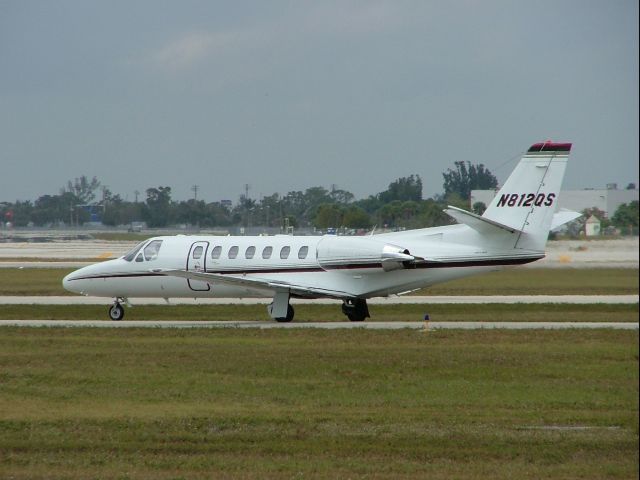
118, 275
346, 266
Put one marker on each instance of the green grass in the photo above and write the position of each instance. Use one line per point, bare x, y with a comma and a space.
88, 403
601, 281
544, 281
320, 313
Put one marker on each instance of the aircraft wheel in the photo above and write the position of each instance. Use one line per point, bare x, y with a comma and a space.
116, 312
289, 316
356, 310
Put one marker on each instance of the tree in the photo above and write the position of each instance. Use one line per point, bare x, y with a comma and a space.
626, 217
341, 196
329, 215
82, 188
158, 207
356, 217
467, 177
403, 189
478, 208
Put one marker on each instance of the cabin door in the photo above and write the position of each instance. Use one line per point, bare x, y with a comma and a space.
197, 262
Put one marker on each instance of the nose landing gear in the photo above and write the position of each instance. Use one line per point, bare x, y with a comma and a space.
116, 311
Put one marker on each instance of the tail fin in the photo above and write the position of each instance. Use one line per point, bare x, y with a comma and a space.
529, 197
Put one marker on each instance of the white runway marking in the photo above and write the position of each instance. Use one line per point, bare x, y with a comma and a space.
427, 326
407, 299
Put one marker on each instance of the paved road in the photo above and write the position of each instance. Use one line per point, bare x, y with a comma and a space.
432, 300
427, 326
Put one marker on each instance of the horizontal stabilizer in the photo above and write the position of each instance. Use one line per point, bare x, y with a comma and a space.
478, 223
563, 216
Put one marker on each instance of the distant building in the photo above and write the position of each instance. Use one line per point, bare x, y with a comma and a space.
592, 226
608, 200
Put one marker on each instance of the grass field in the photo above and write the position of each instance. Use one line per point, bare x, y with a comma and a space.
332, 313
88, 403
519, 281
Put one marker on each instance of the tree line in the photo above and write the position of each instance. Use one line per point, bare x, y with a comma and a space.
399, 206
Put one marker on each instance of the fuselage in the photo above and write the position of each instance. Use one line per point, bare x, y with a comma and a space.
359, 267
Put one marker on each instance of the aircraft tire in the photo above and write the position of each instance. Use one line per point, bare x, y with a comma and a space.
116, 312
289, 317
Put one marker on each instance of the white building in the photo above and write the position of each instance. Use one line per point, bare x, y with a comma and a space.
592, 226
608, 200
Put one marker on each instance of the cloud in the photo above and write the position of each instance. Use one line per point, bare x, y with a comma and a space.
193, 48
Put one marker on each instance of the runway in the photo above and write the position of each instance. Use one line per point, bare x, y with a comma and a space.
610, 253
425, 326
407, 299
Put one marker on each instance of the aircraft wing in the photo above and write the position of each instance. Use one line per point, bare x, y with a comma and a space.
253, 282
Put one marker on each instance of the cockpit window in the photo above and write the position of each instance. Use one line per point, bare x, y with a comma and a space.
151, 250
131, 254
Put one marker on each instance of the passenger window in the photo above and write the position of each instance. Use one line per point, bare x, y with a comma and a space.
215, 253
302, 253
284, 252
151, 250
197, 252
139, 258
266, 253
233, 252
251, 251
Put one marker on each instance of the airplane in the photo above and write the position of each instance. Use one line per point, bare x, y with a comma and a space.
512, 231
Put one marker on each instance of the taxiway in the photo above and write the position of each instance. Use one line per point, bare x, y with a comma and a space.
427, 326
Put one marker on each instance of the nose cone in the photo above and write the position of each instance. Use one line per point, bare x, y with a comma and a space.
71, 282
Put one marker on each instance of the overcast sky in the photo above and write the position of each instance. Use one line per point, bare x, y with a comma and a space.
285, 95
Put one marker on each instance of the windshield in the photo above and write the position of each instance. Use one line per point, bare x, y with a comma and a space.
151, 250
129, 256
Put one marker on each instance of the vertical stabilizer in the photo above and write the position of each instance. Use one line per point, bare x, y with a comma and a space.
529, 197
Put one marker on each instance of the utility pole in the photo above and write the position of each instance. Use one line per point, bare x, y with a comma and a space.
246, 203
136, 193
194, 189
105, 190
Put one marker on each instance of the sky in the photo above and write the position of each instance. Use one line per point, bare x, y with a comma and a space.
287, 95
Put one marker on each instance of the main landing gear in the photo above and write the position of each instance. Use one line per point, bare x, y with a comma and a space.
116, 311
355, 309
280, 309
287, 318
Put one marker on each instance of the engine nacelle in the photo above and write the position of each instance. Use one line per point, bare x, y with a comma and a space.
361, 252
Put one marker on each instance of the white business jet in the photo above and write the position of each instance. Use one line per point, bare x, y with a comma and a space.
512, 231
